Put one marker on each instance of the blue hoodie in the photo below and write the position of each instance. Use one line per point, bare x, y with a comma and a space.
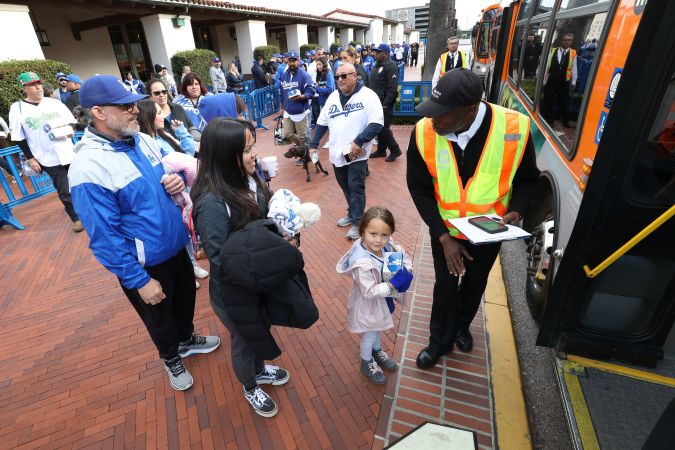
131, 220
299, 80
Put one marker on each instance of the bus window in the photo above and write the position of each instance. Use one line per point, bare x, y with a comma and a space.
518, 38
546, 6
484, 39
567, 4
567, 68
654, 176
531, 57
525, 8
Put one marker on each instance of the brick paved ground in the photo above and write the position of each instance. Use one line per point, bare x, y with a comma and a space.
79, 370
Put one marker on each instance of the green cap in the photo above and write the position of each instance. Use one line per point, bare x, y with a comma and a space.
28, 78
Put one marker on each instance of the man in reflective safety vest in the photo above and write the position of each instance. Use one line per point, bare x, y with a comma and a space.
466, 157
560, 79
452, 59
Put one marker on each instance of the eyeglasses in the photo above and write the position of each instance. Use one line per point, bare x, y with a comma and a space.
158, 93
343, 76
128, 107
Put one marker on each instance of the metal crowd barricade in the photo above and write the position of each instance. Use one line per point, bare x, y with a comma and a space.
22, 192
412, 93
249, 86
262, 103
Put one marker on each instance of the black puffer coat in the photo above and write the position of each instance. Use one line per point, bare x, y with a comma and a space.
256, 276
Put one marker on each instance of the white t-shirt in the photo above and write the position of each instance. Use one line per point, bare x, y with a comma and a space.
345, 124
27, 121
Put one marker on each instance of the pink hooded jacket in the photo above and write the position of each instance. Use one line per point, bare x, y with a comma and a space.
367, 308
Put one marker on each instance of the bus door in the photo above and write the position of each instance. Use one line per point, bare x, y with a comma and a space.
621, 305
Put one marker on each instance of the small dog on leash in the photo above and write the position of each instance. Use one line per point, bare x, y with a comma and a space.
301, 151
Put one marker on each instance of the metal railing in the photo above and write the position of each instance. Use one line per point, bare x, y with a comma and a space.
262, 103
39, 185
411, 94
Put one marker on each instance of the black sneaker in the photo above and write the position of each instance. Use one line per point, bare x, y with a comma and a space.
262, 403
273, 375
378, 154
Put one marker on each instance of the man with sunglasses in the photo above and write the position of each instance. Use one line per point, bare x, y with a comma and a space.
123, 196
353, 115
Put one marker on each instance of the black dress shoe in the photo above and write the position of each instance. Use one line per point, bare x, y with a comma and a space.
464, 341
378, 154
427, 359
392, 157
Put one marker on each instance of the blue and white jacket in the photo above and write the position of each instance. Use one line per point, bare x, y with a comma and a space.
192, 110
299, 80
131, 220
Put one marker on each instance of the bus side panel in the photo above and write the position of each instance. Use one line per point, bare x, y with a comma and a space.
549, 162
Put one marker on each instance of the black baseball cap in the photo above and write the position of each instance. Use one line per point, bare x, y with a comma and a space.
458, 87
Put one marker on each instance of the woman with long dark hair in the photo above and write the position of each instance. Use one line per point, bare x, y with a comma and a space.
176, 156
159, 94
228, 199
191, 91
324, 85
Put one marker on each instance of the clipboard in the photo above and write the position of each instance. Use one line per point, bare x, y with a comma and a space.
477, 236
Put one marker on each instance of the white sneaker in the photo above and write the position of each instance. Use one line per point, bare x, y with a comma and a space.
344, 221
353, 233
179, 377
198, 344
200, 272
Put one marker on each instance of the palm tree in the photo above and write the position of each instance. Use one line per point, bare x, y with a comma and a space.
437, 34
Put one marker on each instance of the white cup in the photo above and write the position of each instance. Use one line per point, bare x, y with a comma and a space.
270, 165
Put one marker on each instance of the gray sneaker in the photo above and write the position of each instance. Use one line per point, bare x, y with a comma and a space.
179, 377
198, 344
344, 221
372, 371
381, 358
273, 375
261, 402
353, 233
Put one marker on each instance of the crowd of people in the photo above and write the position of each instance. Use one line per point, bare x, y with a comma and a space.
153, 178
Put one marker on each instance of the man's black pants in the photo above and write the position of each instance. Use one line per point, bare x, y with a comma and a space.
59, 176
385, 138
413, 58
170, 321
556, 92
455, 307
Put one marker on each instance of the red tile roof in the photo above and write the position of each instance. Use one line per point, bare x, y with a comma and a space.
227, 6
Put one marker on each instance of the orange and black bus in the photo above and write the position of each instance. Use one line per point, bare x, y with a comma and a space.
601, 261
607, 158
481, 41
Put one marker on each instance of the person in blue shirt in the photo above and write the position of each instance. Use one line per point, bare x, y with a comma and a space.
281, 68
297, 89
124, 199
64, 93
324, 86
367, 61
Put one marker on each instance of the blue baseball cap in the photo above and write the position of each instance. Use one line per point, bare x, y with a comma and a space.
340, 49
101, 90
359, 48
74, 78
383, 48
60, 75
277, 55
215, 59
312, 52
291, 55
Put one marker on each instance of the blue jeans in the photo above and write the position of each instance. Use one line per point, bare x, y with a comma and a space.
352, 181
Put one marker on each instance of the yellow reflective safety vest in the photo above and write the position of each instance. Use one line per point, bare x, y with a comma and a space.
444, 58
489, 189
570, 62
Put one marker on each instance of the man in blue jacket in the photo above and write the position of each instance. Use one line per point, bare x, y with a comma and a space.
124, 200
297, 89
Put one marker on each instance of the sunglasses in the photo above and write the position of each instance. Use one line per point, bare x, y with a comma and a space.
343, 76
128, 107
158, 93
